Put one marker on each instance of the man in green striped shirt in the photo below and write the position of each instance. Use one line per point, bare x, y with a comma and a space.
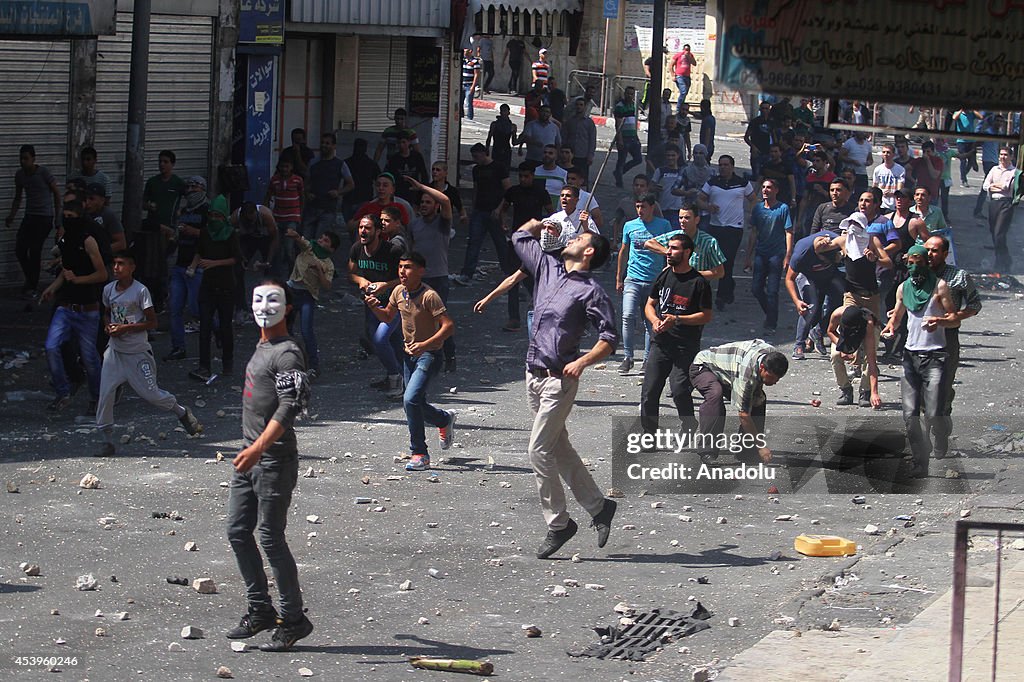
707, 258
743, 369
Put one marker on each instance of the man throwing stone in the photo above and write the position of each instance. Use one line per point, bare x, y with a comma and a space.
266, 471
566, 297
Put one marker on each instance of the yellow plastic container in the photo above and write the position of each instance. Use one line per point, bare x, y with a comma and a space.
824, 545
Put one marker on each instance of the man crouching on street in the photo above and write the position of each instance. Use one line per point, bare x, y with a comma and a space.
566, 297
266, 471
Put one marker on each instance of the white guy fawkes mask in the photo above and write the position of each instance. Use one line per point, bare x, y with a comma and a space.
268, 305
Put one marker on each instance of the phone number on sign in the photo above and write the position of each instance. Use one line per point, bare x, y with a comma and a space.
43, 661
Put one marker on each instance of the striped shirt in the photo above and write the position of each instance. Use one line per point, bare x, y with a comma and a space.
285, 194
737, 365
469, 68
961, 288
563, 304
541, 72
707, 254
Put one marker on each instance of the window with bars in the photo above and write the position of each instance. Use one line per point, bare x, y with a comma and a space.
502, 21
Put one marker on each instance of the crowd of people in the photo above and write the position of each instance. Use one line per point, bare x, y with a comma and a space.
866, 253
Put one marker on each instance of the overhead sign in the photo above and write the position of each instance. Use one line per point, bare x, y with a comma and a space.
261, 22
684, 25
56, 18
935, 52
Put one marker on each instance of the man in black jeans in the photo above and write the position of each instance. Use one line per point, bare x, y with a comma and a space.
266, 471
678, 308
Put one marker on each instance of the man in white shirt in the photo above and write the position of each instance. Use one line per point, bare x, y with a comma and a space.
724, 197
999, 185
572, 218
551, 174
889, 177
856, 152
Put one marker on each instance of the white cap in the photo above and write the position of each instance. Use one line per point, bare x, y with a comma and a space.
543, 50
857, 218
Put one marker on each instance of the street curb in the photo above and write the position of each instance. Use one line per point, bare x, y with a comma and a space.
521, 111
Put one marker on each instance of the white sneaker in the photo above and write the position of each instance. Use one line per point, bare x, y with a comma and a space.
446, 434
396, 387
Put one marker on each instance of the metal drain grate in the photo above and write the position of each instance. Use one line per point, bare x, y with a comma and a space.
648, 632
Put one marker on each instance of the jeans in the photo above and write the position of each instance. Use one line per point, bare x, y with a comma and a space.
82, 326
418, 412
671, 361
287, 249
28, 247
442, 285
387, 344
767, 277
635, 293
729, 239
467, 102
629, 147
683, 84
304, 303
184, 292
823, 295
317, 221
481, 224
258, 500
924, 403
219, 302
1000, 216
969, 161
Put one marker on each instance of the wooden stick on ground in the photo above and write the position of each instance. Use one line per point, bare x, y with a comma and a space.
453, 665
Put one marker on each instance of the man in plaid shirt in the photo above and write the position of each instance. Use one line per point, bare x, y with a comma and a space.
743, 369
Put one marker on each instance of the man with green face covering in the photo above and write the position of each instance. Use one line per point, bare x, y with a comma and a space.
926, 301
216, 254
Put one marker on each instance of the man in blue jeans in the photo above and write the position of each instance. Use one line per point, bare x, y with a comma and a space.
184, 290
771, 241
471, 67
77, 292
490, 180
641, 269
266, 472
425, 326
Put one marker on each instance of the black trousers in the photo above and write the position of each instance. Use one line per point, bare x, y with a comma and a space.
220, 302
669, 361
1000, 216
712, 411
513, 79
28, 247
729, 238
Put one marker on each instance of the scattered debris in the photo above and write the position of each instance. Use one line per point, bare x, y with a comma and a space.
89, 482
406, 586
100, 632
532, 631
871, 529
734, 622
313, 518
559, 591
833, 626
576, 558
191, 546
204, 586
309, 473
859, 499
483, 668
86, 583
434, 573
305, 672
177, 580
964, 513
224, 671
784, 517
423, 620
722, 519
359, 500
593, 586
1017, 544
192, 632
239, 647
174, 646
31, 570
634, 642
12, 487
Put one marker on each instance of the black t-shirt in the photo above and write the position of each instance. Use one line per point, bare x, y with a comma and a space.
860, 276
364, 171
760, 131
380, 266
223, 276
779, 172
487, 180
413, 166
516, 48
681, 295
74, 257
527, 202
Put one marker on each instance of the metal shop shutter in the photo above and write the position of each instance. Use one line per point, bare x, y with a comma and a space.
34, 93
382, 81
178, 101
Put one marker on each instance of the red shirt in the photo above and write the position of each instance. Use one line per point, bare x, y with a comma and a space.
921, 177
372, 207
286, 194
681, 63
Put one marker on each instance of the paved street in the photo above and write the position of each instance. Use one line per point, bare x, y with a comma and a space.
466, 539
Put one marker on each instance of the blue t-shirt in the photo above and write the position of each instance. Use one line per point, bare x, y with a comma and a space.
643, 265
805, 261
771, 225
883, 228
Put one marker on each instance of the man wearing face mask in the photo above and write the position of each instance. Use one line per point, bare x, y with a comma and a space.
266, 471
217, 252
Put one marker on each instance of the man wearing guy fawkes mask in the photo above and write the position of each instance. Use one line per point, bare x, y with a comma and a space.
184, 290
266, 471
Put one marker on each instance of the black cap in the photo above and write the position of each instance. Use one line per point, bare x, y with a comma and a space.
95, 189
853, 326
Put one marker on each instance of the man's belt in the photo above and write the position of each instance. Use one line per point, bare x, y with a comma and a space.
81, 307
542, 373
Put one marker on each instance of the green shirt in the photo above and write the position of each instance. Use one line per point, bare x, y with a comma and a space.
947, 163
625, 115
707, 254
737, 365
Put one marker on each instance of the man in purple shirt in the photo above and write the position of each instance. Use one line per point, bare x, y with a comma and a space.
566, 297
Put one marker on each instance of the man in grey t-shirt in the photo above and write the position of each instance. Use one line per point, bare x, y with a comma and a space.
430, 230
42, 206
276, 390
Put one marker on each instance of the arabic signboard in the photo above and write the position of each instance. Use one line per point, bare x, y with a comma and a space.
55, 18
424, 78
684, 24
936, 52
261, 22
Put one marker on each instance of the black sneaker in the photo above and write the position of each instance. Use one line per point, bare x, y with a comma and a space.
864, 399
175, 354
449, 365
845, 396
253, 623
708, 458
287, 634
108, 450
555, 539
602, 522
625, 365
191, 424
59, 403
